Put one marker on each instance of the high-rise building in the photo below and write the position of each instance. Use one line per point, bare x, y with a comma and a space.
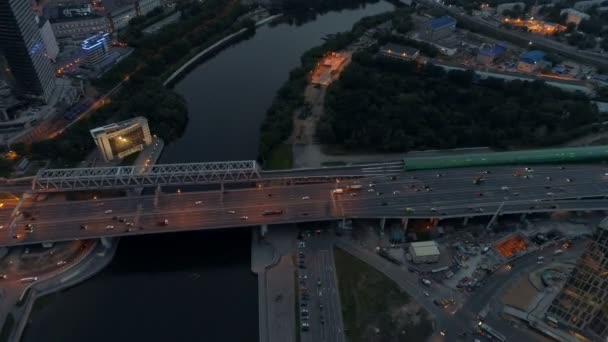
582, 304
96, 48
24, 50
48, 37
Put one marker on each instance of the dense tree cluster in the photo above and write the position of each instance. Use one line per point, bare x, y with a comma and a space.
386, 105
165, 110
277, 125
143, 94
160, 54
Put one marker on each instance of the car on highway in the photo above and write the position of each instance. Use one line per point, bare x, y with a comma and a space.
409, 210
128, 230
434, 210
550, 194
231, 212
3, 276
83, 227
109, 211
371, 190
548, 178
17, 236
504, 188
244, 218
109, 226
396, 192
305, 198
198, 202
569, 180
61, 263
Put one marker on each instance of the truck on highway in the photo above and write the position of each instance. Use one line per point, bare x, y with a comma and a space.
29, 279
354, 187
272, 212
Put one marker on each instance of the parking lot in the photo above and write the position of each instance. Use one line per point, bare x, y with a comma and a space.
320, 316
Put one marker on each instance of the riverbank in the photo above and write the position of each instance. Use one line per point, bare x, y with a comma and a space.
20, 298
215, 48
278, 125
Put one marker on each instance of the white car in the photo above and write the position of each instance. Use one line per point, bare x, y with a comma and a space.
231, 212
244, 218
109, 226
198, 202
305, 198
504, 188
396, 192
109, 211
371, 190
61, 263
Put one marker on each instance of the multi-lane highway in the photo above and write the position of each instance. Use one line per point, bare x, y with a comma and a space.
421, 194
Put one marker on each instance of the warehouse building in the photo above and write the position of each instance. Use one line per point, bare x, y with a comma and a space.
424, 252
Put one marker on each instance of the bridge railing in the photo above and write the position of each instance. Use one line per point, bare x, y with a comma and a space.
142, 176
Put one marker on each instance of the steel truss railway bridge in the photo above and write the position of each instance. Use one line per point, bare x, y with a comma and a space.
125, 177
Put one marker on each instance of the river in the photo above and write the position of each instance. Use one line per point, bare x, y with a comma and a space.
194, 286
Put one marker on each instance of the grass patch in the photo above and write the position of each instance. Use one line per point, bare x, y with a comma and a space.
281, 157
7, 327
374, 308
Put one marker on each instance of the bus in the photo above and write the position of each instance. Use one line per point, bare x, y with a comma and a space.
486, 329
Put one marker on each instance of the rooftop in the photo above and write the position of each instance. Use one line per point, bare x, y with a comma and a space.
425, 248
441, 22
119, 125
533, 57
497, 50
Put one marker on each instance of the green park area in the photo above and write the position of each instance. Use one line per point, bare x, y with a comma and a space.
374, 308
395, 106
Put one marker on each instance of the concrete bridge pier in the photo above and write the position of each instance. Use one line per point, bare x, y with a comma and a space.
106, 242
263, 230
404, 223
382, 224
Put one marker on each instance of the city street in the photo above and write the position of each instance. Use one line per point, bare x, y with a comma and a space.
323, 307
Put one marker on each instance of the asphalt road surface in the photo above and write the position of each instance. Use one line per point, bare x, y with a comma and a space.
323, 306
450, 194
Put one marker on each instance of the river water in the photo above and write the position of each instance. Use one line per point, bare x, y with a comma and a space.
194, 286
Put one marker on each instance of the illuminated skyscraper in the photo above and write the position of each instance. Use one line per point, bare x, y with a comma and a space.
24, 50
583, 302
96, 48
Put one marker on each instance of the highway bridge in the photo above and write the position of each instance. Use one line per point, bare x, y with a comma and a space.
125, 177
419, 194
